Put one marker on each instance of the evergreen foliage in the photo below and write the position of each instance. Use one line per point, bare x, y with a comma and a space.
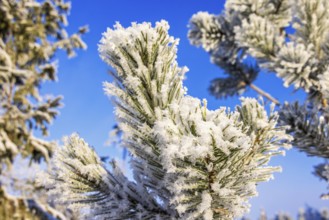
188, 162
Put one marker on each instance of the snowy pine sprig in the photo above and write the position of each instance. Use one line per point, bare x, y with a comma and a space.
308, 126
222, 156
148, 81
322, 171
216, 35
80, 179
188, 162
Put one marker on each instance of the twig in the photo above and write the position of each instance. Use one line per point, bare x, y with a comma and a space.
263, 93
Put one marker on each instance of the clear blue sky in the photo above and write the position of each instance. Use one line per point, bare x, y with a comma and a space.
89, 112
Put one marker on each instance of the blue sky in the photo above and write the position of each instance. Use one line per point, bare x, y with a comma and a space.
89, 112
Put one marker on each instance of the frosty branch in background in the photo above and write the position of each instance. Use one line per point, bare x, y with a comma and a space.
188, 162
30, 34
287, 38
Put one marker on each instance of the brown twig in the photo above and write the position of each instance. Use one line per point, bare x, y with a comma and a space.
263, 93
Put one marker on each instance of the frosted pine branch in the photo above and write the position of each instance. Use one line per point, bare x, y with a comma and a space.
209, 31
322, 171
216, 36
278, 12
240, 76
188, 162
308, 126
78, 177
214, 154
310, 23
263, 43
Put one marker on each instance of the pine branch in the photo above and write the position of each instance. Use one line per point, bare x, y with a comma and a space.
142, 95
308, 127
310, 29
188, 162
241, 75
79, 177
322, 171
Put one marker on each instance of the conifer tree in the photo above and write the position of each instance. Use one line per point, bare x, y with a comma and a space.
188, 162
286, 38
30, 33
